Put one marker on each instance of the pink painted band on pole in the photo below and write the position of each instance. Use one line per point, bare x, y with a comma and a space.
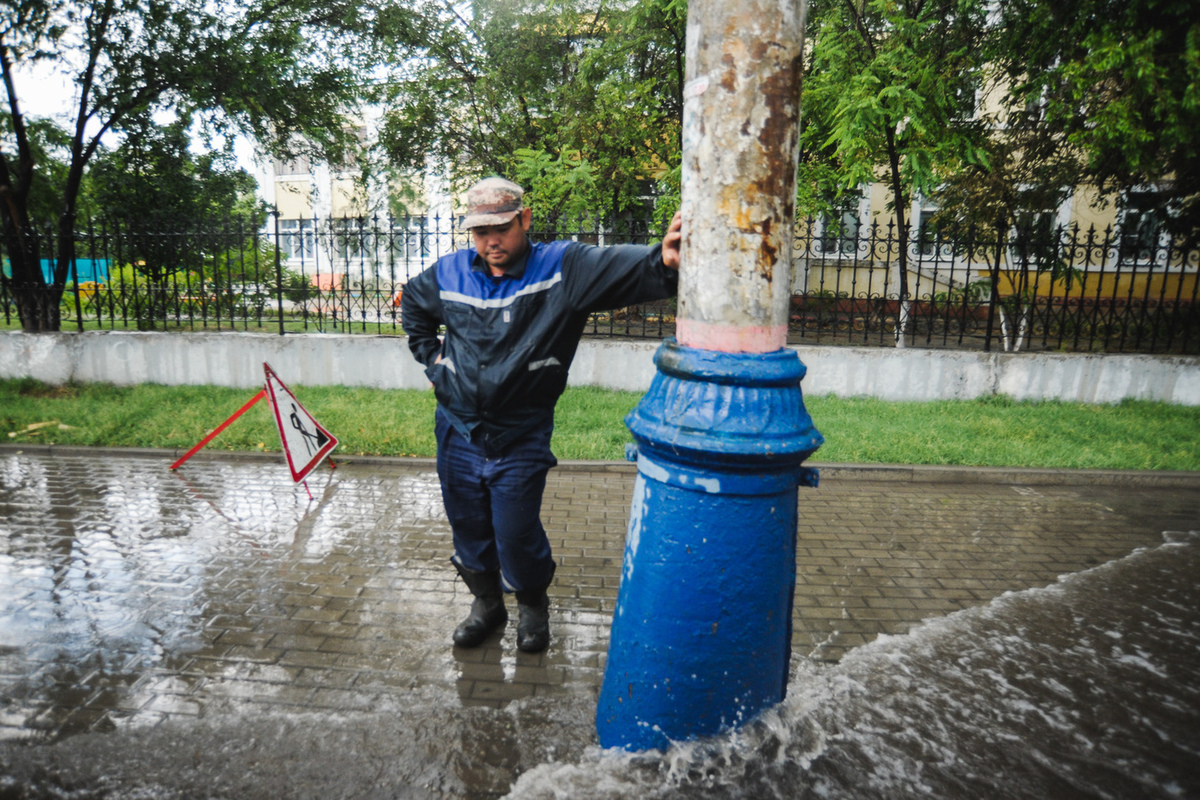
730, 338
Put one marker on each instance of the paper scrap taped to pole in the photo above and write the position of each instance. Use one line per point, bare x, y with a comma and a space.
305, 442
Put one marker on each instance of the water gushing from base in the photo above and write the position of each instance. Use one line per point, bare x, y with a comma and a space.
1087, 688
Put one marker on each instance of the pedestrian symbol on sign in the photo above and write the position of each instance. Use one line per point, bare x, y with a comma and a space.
313, 442
305, 442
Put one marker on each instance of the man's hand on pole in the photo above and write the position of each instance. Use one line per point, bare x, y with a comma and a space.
671, 242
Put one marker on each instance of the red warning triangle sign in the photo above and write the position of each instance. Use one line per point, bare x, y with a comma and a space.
305, 442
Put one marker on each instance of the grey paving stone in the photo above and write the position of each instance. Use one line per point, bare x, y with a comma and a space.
132, 595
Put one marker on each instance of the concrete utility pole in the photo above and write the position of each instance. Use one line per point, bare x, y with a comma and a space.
740, 142
701, 635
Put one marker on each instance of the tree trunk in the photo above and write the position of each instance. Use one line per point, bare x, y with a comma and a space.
37, 308
1022, 327
900, 201
27, 286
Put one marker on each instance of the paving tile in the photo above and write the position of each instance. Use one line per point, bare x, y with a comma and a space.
233, 590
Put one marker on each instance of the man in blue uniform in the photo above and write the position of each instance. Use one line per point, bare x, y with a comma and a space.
513, 312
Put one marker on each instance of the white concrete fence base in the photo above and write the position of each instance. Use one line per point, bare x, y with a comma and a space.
383, 362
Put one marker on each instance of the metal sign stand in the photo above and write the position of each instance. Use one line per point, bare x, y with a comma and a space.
305, 443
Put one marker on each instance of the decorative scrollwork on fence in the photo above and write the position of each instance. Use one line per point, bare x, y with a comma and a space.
1066, 289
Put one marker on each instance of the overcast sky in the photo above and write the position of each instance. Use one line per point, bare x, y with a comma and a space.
44, 91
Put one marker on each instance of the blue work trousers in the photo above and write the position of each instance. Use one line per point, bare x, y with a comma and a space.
494, 503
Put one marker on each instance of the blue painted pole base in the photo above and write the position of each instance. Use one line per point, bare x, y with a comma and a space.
701, 635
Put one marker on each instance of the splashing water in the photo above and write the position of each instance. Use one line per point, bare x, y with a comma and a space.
119, 584
1087, 688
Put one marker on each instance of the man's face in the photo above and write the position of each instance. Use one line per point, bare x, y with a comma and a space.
501, 245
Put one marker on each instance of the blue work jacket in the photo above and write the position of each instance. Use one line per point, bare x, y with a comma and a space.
509, 340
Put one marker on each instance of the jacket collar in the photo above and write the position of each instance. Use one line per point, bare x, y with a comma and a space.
517, 270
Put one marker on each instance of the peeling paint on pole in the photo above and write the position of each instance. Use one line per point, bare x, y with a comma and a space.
701, 634
740, 139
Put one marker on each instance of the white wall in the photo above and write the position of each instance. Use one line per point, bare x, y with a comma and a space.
236, 359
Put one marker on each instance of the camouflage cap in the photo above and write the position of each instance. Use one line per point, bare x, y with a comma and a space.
492, 201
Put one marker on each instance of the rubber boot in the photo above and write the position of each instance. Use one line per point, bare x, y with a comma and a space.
533, 625
487, 609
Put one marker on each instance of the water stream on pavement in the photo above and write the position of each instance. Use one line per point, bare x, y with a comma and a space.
1088, 688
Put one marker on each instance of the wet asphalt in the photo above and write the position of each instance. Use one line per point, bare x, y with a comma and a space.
220, 631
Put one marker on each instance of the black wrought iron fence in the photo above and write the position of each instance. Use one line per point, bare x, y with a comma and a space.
1069, 290
1064, 289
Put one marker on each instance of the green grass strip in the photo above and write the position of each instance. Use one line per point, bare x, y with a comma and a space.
590, 425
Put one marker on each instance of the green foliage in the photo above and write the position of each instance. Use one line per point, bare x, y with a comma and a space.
626, 108
178, 209
406, 192
1102, 91
669, 187
974, 292
154, 183
1112, 88
295, 287
49, 148
817, 185
560, 186
581, 105
885, 84
285, 73
884, 93
155, 180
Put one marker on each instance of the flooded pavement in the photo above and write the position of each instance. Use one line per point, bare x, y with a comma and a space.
1088, 688
220, 633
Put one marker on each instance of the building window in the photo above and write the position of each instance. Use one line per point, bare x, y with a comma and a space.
1033, 240
1139, 229
350, 159
840, 226
349, 239
297, 238
1038, 230
931, 242
1036, 105
965, 99
411, 238
298, 165
928, 237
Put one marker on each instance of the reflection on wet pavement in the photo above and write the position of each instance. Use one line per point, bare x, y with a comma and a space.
220, 606
133, 593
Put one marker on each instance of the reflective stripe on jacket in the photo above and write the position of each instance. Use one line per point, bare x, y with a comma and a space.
510, 340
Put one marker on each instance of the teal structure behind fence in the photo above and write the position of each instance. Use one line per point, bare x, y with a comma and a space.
84, 270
